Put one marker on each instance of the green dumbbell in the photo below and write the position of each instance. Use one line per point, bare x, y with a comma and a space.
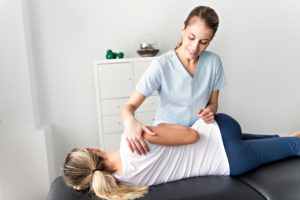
112, 55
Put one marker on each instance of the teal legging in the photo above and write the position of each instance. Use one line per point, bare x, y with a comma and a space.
247, 151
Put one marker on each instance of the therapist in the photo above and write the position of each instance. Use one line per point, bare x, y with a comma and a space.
188, 80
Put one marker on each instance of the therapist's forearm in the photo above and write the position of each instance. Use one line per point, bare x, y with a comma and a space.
213, 107
128, 112
213, 102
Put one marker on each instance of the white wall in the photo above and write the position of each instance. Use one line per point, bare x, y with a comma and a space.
17, 108
24, 170
257, 41
259, 44
24, 165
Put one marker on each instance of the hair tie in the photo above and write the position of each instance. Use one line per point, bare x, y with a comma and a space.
95, 170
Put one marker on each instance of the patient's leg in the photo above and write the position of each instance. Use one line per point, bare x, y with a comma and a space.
247, 136
245, 155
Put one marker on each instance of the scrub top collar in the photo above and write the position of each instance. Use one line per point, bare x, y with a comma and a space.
183, 70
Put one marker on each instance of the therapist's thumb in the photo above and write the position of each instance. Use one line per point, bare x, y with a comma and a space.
148, 131
199, 111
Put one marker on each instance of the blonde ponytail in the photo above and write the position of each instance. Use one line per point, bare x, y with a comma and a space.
106, 186
83, 167
178, 44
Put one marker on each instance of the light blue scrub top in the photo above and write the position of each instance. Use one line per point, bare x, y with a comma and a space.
180, 94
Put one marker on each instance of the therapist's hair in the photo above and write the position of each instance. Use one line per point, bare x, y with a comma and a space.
207, 15
79, 170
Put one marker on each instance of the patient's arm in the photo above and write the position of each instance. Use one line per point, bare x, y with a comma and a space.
171, 135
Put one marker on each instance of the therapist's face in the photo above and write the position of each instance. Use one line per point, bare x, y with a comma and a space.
195, 38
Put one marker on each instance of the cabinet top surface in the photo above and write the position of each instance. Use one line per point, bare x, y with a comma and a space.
122, 60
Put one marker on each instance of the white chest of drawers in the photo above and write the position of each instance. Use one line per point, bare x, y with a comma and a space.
115, 81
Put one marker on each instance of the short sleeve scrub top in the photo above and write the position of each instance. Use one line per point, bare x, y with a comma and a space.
181, 95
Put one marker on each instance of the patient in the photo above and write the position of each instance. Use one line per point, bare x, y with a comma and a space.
176, 152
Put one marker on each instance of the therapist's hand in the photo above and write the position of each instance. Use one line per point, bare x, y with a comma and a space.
206, 115
134, 136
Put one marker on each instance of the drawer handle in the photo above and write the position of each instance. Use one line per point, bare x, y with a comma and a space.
118, 106
119, 123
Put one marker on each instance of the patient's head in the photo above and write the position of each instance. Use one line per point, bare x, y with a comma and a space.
83, 167
79, 166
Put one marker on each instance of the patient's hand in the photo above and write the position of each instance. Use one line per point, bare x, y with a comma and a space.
81, 187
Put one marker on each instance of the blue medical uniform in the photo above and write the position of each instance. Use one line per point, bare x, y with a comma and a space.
181, 95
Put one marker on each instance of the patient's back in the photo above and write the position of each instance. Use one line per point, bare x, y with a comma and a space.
168, 163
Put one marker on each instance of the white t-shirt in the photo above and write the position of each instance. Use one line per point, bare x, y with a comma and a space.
168, 163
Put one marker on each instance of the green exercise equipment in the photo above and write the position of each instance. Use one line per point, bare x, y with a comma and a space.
112, 55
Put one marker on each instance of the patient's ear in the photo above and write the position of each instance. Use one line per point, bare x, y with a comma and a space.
94, 150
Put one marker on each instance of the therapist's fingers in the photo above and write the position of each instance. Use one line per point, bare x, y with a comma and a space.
129, 145
133, 144
139, 146
144, 145
148, 131
204, 113
207, 115
199, 111
209, 119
